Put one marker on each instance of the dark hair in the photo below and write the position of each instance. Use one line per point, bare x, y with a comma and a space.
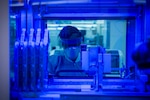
70, 36
69, 32
141, 55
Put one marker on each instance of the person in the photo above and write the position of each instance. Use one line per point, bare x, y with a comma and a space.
141, 57
67, 62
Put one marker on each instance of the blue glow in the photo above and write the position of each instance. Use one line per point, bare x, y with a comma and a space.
94, 19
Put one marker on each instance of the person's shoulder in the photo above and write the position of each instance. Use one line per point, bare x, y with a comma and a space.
57, 54
53, 59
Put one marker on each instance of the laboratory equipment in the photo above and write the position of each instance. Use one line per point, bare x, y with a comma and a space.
38, 70
96, 62
31, 58
21, 62
93, 69
43, 59
31, 61
117, 64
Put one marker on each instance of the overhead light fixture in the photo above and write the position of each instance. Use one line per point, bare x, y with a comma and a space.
139, 1
61, 2
77, 25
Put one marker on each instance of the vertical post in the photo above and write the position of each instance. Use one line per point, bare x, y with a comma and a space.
22, 22
139, 31
130, 44
26, 16
147, 19
31, 61
108, 35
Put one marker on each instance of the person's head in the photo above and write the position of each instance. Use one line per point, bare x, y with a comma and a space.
141, 56
70, 38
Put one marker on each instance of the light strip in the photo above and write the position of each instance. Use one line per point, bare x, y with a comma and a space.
60, 28
53, 2
77, 25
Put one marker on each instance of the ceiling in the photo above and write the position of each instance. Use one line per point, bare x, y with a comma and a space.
81, 8
82, 1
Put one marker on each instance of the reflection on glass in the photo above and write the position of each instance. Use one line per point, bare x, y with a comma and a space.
110, 34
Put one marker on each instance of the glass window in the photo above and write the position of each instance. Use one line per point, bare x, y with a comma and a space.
110, 34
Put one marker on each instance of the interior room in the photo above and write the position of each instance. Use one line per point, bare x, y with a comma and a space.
110, 32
